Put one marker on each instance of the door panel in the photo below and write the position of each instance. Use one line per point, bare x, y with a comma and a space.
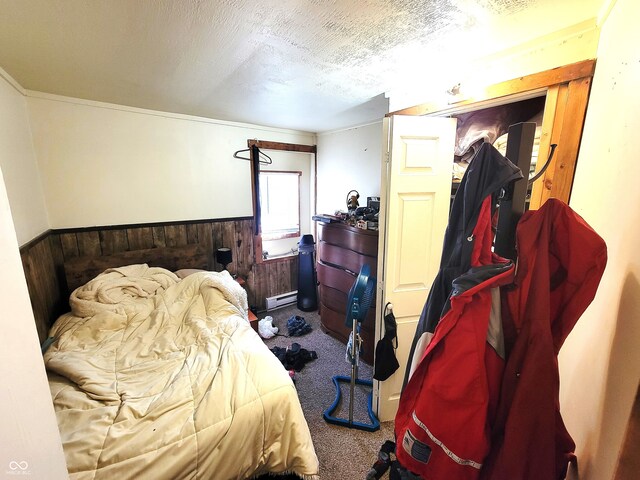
416, 189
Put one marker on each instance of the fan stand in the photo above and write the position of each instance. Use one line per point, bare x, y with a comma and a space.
352, 380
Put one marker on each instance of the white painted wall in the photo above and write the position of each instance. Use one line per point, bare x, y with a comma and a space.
29, 440
104, 164
348, 160
600, 362
18, 162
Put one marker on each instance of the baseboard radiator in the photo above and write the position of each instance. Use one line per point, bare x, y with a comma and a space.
282, 300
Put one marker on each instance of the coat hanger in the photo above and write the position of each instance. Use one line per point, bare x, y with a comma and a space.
268, 160
544, 167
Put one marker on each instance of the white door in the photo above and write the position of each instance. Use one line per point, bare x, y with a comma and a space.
415, 194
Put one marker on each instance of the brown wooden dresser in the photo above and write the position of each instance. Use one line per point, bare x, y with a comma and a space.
341, 251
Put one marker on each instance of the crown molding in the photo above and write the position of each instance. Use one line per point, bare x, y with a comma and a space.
12, 81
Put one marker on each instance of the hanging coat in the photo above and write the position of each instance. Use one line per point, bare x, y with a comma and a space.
486, 175
560, 263
458, 351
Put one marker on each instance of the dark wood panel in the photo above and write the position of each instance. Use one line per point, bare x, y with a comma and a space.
89, 244
272, 279
80, 270
56, 249
50, 296
293, 273
69, 243
192, 234
158, 237
257, 285
283, 278
43, 285
205, 240
243, 249
175, 235
229, 241
140, 238
113, 241
216, 234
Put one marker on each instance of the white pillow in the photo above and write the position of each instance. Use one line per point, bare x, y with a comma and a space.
185, 272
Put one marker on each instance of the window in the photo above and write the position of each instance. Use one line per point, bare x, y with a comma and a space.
283, 190
280, 204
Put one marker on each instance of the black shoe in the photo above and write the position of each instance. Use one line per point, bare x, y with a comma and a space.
398, 472
383, 462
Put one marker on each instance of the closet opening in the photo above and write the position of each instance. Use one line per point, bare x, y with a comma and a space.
490, 125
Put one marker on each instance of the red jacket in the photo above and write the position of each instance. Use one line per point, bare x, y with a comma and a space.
560, 263
478, 407
442, 421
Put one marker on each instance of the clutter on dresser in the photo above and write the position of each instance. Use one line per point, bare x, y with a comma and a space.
352, 200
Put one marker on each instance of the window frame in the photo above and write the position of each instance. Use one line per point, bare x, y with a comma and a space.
287, 147
286, 235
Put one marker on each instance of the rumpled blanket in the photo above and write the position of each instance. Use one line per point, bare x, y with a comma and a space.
153, 377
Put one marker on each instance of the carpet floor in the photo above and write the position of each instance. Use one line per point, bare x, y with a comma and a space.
344, 453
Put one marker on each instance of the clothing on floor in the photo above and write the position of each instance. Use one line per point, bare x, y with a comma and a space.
294, 357
297, 326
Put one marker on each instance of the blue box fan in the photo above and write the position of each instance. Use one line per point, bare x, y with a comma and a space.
360, 299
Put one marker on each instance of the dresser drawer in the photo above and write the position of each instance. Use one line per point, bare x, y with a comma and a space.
338, 302
333, 324
351, 238
347, 259
335, 277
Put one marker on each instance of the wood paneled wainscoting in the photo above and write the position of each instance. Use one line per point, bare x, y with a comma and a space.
44, 257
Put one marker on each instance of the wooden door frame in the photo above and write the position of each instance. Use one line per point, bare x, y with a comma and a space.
567, 92
287, 147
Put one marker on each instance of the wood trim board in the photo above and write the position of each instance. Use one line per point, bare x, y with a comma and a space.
535, 81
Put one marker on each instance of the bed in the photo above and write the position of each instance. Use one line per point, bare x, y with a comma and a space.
153, 376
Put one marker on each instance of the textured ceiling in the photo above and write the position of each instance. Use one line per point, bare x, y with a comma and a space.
310, 65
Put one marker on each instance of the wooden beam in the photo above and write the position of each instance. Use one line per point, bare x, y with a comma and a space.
569, 144
514, 86
548, 121
289, 147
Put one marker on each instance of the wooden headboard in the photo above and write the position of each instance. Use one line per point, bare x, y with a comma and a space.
80, 270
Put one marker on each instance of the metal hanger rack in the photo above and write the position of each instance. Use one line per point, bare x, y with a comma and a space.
268, 160
513, 198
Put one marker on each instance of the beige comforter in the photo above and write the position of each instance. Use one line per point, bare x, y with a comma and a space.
153, 377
